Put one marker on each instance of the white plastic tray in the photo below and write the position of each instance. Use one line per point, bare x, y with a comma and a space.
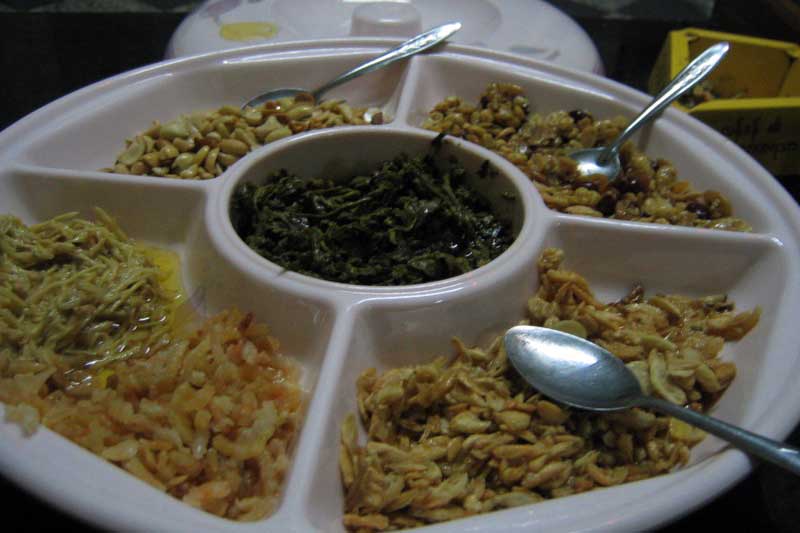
337, 331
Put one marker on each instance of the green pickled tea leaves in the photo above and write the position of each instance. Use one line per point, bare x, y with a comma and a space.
408, 222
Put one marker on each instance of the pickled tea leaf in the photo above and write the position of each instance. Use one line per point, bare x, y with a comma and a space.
408, 222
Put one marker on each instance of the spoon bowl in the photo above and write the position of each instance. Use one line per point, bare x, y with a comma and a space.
413, 46
593, 161
277, 94
605, 160
582, 374
571, 369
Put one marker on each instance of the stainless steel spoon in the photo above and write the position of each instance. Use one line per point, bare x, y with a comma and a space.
580, 373
605, 160
413, 46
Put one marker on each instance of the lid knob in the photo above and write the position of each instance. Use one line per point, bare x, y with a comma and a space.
385, 19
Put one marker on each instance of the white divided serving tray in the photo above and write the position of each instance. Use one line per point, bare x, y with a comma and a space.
49, 161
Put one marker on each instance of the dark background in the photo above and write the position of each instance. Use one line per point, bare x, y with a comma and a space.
49, 49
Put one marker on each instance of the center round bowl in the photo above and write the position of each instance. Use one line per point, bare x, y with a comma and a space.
335, 331
341, 153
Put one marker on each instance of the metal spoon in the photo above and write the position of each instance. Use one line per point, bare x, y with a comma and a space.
413, 46
605, 160
580, 373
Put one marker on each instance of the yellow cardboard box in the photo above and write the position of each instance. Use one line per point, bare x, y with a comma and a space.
756, 89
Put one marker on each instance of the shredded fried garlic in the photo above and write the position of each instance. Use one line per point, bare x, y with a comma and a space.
209, 419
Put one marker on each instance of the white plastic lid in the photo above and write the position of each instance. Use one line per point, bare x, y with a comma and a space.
531, 28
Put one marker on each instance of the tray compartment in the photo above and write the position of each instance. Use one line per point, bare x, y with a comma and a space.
684, 142
90, 138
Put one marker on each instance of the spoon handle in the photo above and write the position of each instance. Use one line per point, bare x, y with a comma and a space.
770, 450
686, 78
417, 44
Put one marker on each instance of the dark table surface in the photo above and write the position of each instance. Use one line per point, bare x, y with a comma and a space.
46, 55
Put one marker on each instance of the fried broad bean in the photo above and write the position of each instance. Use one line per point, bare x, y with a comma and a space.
450, 439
